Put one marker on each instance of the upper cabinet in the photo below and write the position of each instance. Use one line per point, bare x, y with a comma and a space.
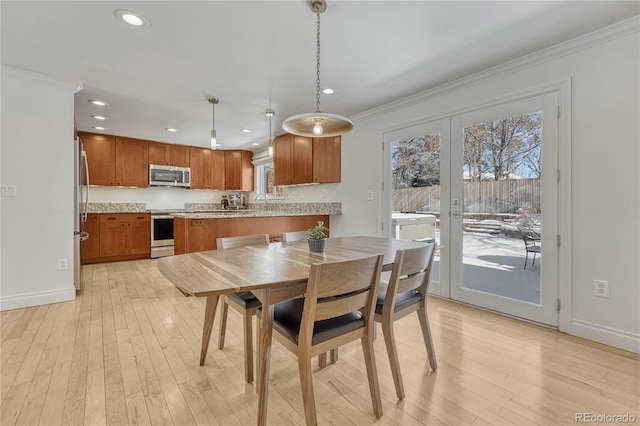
326, 159
101, 158
132, 162
300, 159
207, 168
218, 169
168, 154
238, 170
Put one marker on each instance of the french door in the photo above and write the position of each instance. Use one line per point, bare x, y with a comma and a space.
496, 179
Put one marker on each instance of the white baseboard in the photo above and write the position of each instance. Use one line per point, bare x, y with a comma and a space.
34, 299
606, 335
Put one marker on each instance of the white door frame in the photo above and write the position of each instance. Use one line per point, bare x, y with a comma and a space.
545, 312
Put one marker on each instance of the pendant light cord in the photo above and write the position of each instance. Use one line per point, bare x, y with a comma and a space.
318, 61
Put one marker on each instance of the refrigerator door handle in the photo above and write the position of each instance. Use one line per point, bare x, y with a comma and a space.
86, 197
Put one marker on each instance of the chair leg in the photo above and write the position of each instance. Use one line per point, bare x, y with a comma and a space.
223, 323
426, 335
248, 345
306, 383
392, 353
534, 260
322, 360
525, 260
372, 375
334, 355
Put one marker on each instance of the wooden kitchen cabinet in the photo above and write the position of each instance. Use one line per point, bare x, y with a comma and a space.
218, 170
101, 158
238, 170
292, 160
326, 159
300, 159
132, 162
115, 237
201, 171
90, 248
168, 154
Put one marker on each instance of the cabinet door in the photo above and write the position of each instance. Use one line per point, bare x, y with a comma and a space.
179, 155
282, 160
302, 160
138, 234
132, 162
200, 160
233, 170
247, 171
200, 235
326, 159
113, 236
218, 170
90, 248
159, 153
101, 158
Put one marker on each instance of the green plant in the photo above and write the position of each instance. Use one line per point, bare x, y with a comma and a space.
317, 232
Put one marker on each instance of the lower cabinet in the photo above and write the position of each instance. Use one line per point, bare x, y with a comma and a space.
193, 235
124, 236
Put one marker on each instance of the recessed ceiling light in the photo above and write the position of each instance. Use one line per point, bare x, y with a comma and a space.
327, 91
131, 18
255, 144
98, 102
98, 127
170, 129
99, 117
246, 130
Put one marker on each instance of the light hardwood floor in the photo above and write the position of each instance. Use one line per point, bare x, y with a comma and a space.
126, 351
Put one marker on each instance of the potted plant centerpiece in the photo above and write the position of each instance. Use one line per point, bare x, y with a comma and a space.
316, 237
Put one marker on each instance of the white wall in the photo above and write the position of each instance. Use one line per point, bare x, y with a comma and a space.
604, 209
37, 156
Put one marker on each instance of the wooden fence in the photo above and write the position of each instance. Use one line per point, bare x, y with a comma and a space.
491, 196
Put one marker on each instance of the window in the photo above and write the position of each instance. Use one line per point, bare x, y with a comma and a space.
264, 182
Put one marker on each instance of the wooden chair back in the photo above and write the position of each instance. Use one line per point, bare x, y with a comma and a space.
411, 271
242, 240
289, 237
337, 288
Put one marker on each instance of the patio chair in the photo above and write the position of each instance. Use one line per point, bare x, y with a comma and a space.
531, 244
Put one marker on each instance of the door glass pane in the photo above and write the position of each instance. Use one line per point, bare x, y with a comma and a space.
415, 181
501, 207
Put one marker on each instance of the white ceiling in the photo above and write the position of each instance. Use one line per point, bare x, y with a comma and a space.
258, 54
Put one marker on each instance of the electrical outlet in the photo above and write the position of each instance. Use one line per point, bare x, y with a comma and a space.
9, 190
63, 264
600, 288
370, 194
323, 194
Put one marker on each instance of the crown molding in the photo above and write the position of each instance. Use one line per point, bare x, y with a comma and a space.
607, 34
24, 73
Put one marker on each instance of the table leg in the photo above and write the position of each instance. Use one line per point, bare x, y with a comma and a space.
266, 331
209, 314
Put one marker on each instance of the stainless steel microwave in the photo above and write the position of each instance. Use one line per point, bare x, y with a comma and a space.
169, 176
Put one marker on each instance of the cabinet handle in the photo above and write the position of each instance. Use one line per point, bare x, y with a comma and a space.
111, 218
140, 217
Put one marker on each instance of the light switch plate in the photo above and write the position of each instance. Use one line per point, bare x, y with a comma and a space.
9, 190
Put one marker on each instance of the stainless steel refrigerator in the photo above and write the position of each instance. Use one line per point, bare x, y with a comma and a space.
80, 202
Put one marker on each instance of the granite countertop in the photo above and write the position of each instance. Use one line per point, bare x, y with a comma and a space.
212, 210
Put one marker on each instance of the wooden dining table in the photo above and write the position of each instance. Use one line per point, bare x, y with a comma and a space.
273, 273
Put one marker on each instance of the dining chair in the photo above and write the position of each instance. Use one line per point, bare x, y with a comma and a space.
244, 302
404, 293
337, 308
289, 237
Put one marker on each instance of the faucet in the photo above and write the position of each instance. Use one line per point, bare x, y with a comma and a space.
260, 197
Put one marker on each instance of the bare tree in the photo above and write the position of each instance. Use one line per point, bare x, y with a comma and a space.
416, 162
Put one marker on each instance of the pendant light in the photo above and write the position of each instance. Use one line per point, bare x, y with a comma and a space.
214, 144
317, 123
270, 113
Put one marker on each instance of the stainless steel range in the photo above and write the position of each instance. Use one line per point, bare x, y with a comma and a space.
162, 233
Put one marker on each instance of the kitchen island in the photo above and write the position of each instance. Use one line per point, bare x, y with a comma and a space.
198, 231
